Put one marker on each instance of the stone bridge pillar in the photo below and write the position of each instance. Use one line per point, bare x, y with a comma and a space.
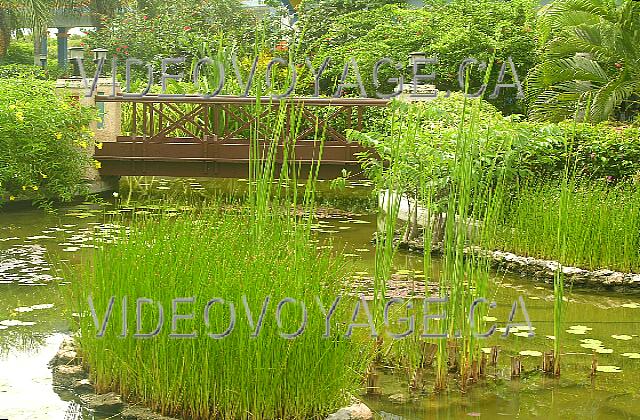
106, 129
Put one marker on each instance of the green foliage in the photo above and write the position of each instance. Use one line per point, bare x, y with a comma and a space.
238, 376
315, 14
434, 143
178, 29
44, 141
18, 53
205, 255
517, 150
591, 60
452, 32
598, 151
21, 71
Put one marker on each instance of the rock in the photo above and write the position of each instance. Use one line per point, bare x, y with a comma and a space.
398, 398
357, 411
602, 273
66, 354
141, 413
83, 386
110, 402
65, 376
614, 278
570, 271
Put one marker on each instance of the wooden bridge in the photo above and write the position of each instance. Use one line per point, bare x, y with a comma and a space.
192, 136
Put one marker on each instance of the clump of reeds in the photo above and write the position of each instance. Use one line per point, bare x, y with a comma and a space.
244, 257
601, 224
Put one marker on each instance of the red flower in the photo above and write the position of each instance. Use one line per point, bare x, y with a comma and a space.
125, 46
187, 28
282, 46
82, 44
618, 65
145, 17
118, 49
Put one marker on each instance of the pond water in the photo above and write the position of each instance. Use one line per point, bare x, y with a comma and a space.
34, 315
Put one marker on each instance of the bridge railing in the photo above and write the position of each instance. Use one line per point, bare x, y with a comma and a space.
227, 118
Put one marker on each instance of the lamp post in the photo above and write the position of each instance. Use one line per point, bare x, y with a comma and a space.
99, 54
43, 60
416, 56
76, 53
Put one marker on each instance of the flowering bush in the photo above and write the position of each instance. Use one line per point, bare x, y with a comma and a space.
44, 141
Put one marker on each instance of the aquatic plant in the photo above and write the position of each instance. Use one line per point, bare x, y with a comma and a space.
244, 257
601, 224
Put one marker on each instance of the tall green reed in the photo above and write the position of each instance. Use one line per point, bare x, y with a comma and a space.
262, 250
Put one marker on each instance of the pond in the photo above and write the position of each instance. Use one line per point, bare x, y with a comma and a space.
35, 314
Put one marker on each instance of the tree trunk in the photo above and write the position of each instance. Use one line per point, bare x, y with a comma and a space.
5, 33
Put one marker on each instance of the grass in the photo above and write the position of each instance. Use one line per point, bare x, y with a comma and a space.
461, 279
208, 256
601, 224
263, 250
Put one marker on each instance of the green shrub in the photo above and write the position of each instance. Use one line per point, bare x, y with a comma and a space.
178, 29
44, 141
19, 52
519, 150
452, 32
20, 71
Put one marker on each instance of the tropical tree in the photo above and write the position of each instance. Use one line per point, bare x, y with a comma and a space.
591, 61
35, 12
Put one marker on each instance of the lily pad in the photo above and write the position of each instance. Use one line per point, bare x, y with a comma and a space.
15, 323
533, 353
631, 355
602, 350
490, 318
631, 305
592, 346
43, 306
580, 327
23, 309
622, 337
608, 369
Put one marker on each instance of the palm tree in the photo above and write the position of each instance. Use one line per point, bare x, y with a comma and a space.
591, 60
